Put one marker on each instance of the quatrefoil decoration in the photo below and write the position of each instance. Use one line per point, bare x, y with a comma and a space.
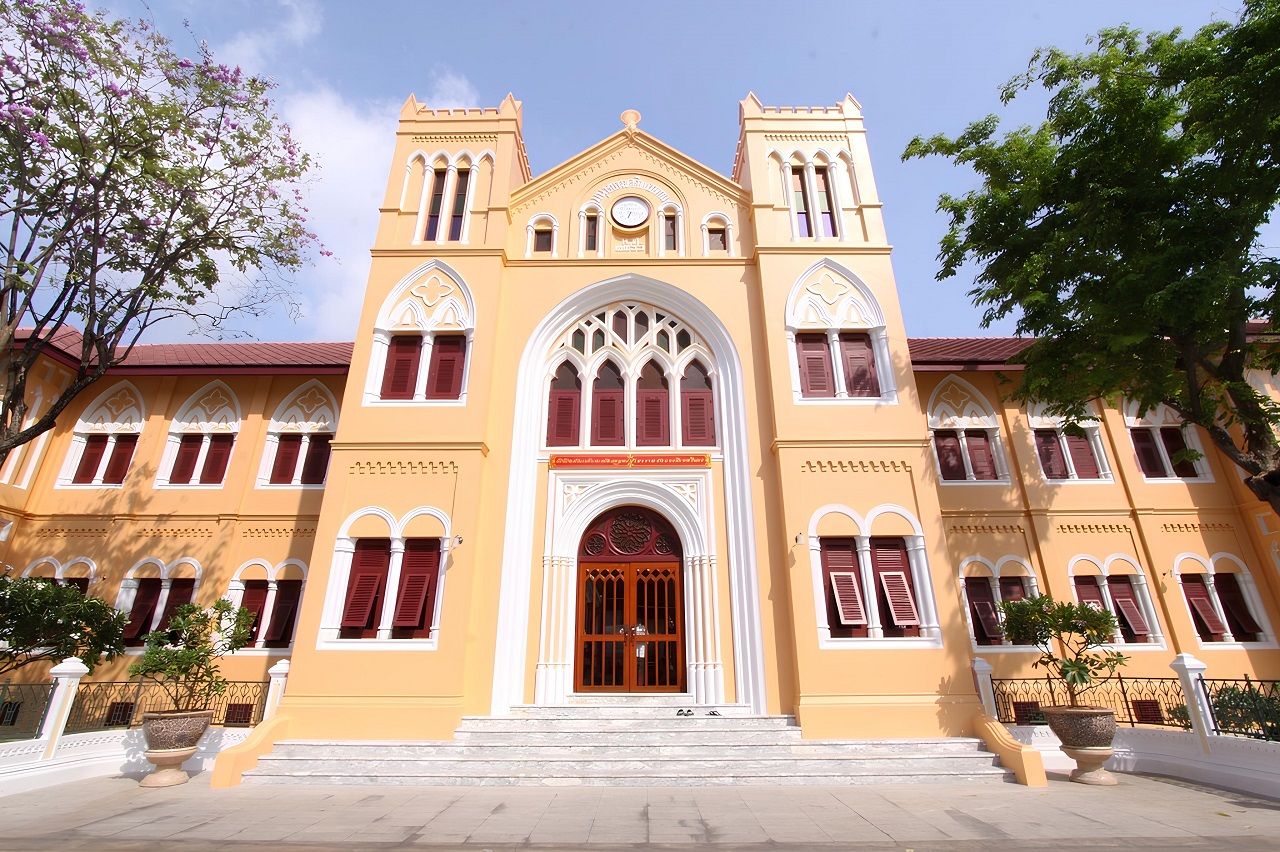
828, 289
432, 291
214, 401
119, 402
311, 400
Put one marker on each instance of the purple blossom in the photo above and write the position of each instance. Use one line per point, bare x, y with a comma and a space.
40, 139
184, 63
115, 90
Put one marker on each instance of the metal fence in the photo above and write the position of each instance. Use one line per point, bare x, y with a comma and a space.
100, 706
1244, 707
22, 709
1157, 701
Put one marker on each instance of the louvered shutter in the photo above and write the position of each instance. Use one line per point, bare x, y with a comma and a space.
180, 592
215, 461
652, 418
444, 376
978, 442
950, 461
1088, 591
1174, 443
1144, 444
94, 447
401, 372
859, 363
843, 588
606, 418
1210, 626
184, 463
982, 609
893, 571
1012, 589
254, 599
1050, 450
316, 464
1243, 625
285, 613
697, 418
369, 566
143, 610
287, 449
563, 418
813, 353
1126, 602
1081, 450
121, 458
418, 574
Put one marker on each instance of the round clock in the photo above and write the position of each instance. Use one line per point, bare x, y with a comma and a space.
630, 212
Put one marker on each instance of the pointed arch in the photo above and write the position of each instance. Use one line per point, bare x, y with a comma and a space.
201, 438
299, 434
967, 444
956, 404
105, 438
215, 407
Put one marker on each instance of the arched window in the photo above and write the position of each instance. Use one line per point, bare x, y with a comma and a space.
441, 187
717, 235
298, 437
564, 407
201, 438
542, 236
966, 434
1221, 599
1118, 586
273, 594
105, 438
608, 407
1163, 444
1075, 455
151, 593
985, 585
810, 182
632, 354
671, 225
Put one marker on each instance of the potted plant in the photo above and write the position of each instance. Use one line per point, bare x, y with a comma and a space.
183, 660
1073, 640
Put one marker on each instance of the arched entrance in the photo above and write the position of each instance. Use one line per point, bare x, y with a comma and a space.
630, 621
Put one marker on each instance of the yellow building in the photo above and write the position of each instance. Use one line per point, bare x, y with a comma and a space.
633, 426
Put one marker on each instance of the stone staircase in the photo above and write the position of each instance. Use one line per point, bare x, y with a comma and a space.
639, 743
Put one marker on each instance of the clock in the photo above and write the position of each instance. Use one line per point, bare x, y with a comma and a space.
630, 212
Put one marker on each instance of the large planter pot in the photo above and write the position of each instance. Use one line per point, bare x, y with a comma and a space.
172, 738
1086, 734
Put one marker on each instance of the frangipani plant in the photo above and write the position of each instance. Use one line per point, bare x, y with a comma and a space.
1072, 639
183, 657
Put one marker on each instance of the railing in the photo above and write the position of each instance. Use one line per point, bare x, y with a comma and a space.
22, 709
101, 706
1136, 701
1244, 707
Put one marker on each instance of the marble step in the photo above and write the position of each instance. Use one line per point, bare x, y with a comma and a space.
991, 775
628, 722
630, 711
647, 744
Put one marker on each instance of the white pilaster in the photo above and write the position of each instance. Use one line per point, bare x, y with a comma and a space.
392, 589
279, 674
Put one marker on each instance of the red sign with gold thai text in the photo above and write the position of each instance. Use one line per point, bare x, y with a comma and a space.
631, 460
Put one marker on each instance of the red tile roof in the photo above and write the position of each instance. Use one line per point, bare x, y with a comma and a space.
235, 355
952, 353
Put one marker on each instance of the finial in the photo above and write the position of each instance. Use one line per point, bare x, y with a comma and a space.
630, 118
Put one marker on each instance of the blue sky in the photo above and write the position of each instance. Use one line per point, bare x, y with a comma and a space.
917, 68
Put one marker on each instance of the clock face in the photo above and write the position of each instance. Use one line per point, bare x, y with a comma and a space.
630, 212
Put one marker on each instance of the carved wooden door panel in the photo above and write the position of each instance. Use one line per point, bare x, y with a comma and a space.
630, 628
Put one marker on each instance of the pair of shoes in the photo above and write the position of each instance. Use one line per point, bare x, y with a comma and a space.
684, 712
714, 713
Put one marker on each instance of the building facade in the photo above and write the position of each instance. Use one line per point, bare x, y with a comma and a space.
633, 426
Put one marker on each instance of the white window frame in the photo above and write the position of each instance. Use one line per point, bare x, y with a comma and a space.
99, 418
235, 594
1038, 418
711, 220
1155, 420
537, 220
292, 418
195, 418
1007, 566
1141, 591
1248, 589
128, 591
450, 162
975, 413
668, 212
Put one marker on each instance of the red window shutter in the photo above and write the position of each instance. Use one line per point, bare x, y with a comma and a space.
81, 583
1050, 450
652, 418
1126, 602
121, 458
606, 418
459, 206
316, 464
285, 613
448, 358
184, 464
369, 566
144, 609
983, 463
901, 603
842, 587
898, 611
401, 372
1088, 591
180, 592
287, 449
90, 459
813, 353
859, 365
1208, 625
1241, 621
215, 461
418, 573
1081, 450
1174, 443
950, 462
982, 610
254, 600
697, 418
563, 417
1144, 444
1013, 588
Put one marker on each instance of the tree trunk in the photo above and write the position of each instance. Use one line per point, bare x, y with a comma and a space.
1266, 487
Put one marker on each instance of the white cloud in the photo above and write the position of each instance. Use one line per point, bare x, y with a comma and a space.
254, 50
448, 89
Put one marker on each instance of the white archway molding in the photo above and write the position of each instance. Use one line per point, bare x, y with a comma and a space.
273, 572
1209, 569
1010, 565
1120, 565
711, 220
552, 224
168, 572
60, 568
344, 547
515, 592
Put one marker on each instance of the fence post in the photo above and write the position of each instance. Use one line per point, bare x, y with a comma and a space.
986, 691
66, 680
279, 674
1190, 670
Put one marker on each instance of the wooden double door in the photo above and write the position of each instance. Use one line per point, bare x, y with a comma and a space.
630, 633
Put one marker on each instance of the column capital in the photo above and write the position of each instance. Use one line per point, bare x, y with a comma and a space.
1188, 665
71, 667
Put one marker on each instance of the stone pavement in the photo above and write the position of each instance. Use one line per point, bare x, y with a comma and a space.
1144, 812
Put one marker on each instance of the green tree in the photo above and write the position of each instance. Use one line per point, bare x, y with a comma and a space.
43, 621
1071, 638
1123, 231
183, 657
133, 182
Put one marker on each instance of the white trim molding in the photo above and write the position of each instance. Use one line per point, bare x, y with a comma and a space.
309, 409
1209, 567
955, 405
118, 410
214, 409
1105, 568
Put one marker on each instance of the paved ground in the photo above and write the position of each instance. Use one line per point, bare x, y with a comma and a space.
1144, 812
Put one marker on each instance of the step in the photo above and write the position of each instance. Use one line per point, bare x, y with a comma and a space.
649, 746
992, 775
625, 711
576, 723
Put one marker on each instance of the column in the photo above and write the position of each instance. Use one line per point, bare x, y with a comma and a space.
1190, 671
837, 364
268, 607
810, 188
582, 233
301, 461
424, 364
66, 677
694, 607
199, 468
377, 358
549, 639
128, 594
472, 178
874, 629
716, 663
161, 603
105, 460
279, 674
392, 589
986, 690
335, 594
1217, 607
446, 208
789, 196
1148, 608
924, 587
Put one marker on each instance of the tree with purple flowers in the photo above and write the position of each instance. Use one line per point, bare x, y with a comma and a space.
136, 185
